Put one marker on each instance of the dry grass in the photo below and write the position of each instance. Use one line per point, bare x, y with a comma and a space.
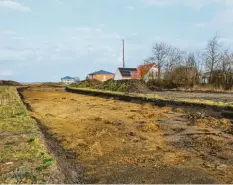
96, 149
148, 127
223, 124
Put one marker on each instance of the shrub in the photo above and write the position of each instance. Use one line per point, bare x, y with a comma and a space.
222, 79
156, 85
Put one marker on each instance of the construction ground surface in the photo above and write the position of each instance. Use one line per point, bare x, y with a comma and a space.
221, 97
112, 141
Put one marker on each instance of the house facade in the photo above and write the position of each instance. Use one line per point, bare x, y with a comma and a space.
127, 74
101, 76
205, 78
148, 72
68, 80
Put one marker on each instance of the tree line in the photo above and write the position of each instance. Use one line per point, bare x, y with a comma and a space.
213, 65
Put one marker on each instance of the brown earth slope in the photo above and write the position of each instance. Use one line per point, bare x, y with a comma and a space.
121, 142
9, 83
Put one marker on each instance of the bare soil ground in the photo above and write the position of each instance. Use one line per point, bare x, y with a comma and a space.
122, 142
221, 97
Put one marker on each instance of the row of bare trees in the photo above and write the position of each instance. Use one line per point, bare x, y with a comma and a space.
214, 63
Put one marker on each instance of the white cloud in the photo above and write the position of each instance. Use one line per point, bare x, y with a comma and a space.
13, 5
199, 25
60, 2
73, 44
6, 73
130, 7
194, 4
161, 2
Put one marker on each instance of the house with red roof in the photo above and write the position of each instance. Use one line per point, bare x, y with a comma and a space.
148, 72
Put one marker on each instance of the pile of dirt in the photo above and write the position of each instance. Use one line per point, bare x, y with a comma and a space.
9, 83
87, 84
129, 86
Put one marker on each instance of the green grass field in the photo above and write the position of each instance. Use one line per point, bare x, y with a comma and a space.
23, 155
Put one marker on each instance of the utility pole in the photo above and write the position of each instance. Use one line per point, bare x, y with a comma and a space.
123, 54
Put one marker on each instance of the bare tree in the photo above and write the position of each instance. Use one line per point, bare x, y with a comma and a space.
213, 55
226, 64
146, 61
225, 74
175, 57
192, 72
191, 60
200, 61
160, 52
230, 64
149, 60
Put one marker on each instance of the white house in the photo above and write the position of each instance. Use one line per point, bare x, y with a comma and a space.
68, 80
205, 77
148, 72
126, 74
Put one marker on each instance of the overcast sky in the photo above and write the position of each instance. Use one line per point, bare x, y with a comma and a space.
44, 40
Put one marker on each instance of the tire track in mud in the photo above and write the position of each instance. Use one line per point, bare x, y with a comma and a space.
66, 159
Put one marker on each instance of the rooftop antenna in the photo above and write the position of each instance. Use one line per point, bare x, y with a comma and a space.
123, 53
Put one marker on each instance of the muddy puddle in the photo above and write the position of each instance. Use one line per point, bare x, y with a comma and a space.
110, 141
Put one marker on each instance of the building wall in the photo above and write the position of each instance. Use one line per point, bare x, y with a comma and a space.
68, 81
101, 77
152, 74
135, 75
204, 80
117, 75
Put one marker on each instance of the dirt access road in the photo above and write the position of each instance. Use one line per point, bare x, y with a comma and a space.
123, 142
220, 97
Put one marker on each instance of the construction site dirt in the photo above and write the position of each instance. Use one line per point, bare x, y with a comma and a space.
112, 141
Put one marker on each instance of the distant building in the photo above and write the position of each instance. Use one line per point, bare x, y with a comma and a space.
76, 79
148, 72
127, 74
68, 80
205, 78
100, 76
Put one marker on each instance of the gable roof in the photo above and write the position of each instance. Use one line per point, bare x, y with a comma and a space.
144, 69
67, 78
146, 66
101, 72
126, 72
